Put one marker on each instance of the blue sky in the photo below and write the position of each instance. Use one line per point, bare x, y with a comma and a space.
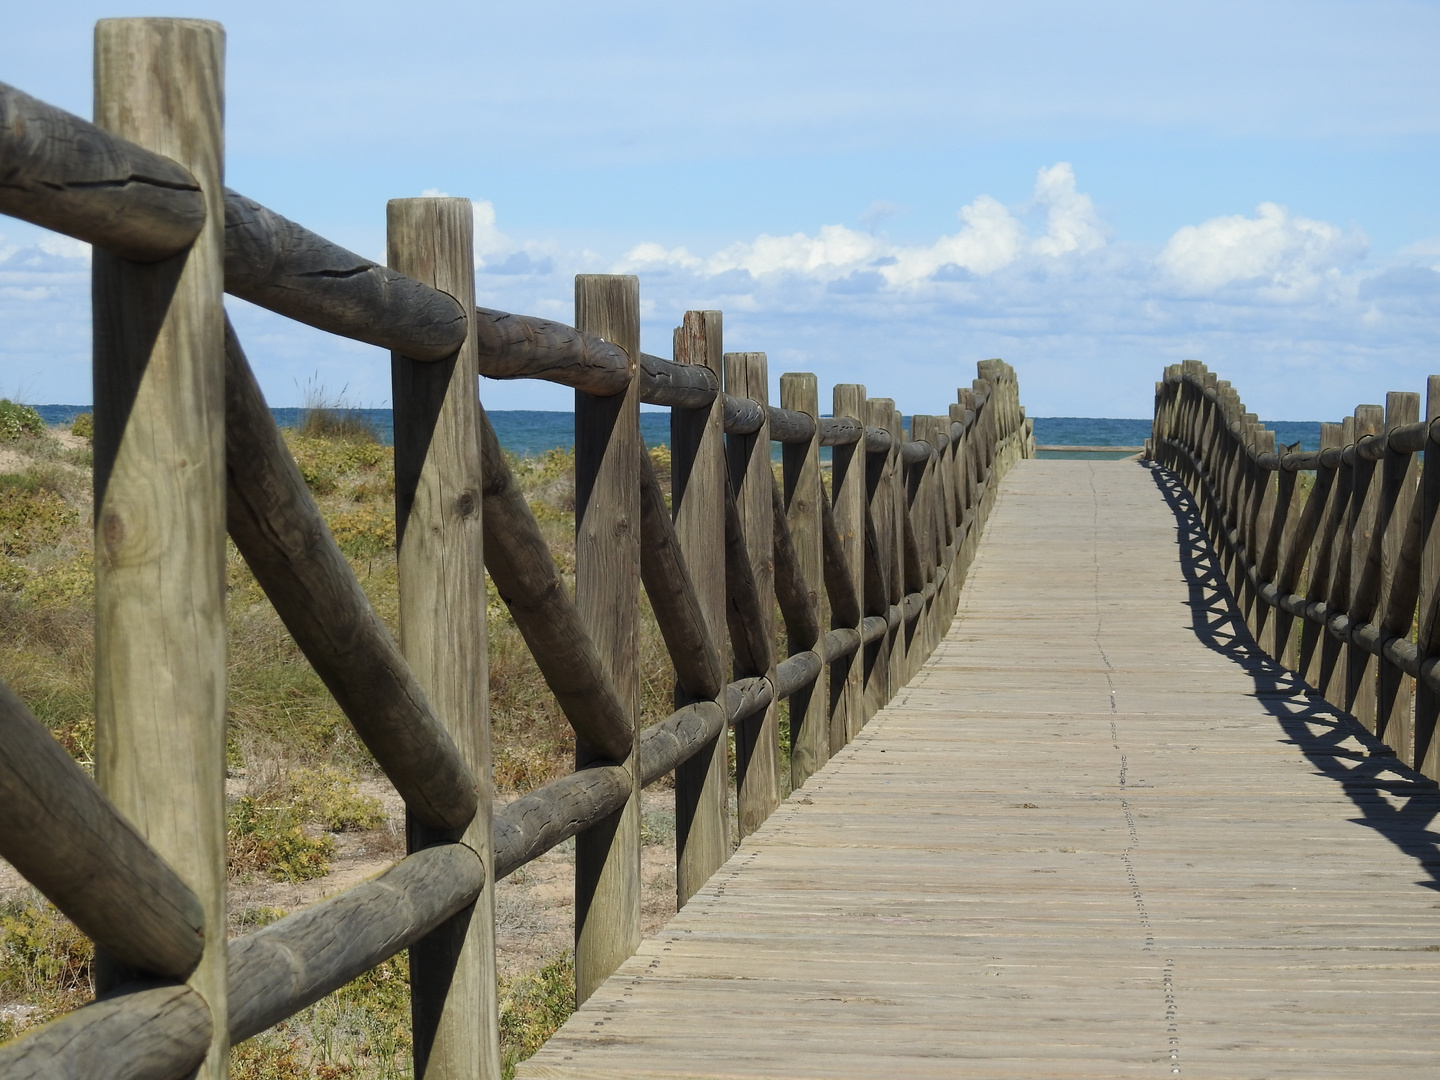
880, 194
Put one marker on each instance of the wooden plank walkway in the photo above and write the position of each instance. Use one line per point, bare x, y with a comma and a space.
1095, 837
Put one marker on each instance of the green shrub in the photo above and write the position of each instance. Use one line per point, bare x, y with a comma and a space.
273, 841
331, 797
83, 426
31, 515
18, 421
44, 961
532, 1008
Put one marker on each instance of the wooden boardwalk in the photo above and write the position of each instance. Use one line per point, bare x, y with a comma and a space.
1097, 836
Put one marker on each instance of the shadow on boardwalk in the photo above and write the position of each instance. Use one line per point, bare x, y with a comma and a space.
1318, 729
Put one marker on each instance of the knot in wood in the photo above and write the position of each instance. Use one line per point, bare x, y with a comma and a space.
466, 504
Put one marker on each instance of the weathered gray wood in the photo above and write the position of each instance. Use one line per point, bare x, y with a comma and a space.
677, 384
801, 511
58, 830
796, 672
159, 488
143, 1031
877, 440
915, 451
793, 593
1427, 610
679, 737
745, 697
528, 582
790, 426
673, 598
525, 347
279, 530
1361, 668
845, 430
278, 970
552, 813
63, 173
698, 496
879, 540
607, 593
273, 262
757, 739
1314, 642
1398, 541
839, 579
441, 563
750, 647
845, 562
743, 416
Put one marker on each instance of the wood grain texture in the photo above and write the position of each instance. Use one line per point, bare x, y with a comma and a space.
698, 497
1398, 546
529, 583
673, 597
1098, 893
273, 262
159, 355
555, 811
524, 347
847, 504
64, 173
279, 530
1361, 668
757, 738
680, 736
607, 593
441, 562
278, 970
678, 383
143, 1031
802, 510
71, 843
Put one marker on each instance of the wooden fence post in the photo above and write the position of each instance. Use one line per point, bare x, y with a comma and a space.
809, 713
1337, 597
441, 565
697, 440
847, 495
1361, 668
757, 739
880, 515
1396, 549
1321, 560
1427, 624
159, 356
607, 594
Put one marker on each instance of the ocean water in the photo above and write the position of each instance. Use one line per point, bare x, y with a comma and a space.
527, 432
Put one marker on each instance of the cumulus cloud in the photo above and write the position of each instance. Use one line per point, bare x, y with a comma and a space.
991, 237
1281, 252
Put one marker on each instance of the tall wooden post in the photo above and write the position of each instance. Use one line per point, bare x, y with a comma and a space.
757, 739
1310, 661
1427, 624
847, 492
1395, 604
607, 593
159, 354
1361, 668
809, 713
899, 634
441, 565
1337, 598
880, 506
697, 455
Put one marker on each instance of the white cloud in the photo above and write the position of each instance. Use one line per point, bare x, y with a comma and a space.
1070, 218
1286, 254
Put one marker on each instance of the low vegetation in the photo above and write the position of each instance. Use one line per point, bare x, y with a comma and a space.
300, 783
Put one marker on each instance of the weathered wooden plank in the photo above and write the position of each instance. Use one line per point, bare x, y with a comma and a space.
847, 545
441, 562
607, 592
802, 511
757, 739
698, 498
159, 332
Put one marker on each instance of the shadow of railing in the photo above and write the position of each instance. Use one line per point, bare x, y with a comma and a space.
1319, 730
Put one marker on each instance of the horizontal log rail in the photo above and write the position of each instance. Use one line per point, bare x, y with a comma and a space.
1341, 588
865, 575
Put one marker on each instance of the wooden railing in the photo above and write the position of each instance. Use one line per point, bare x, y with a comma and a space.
865, 576
1338, 578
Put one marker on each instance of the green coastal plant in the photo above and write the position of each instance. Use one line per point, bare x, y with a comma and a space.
18, 421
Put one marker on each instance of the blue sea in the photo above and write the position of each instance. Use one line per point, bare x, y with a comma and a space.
524, 432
